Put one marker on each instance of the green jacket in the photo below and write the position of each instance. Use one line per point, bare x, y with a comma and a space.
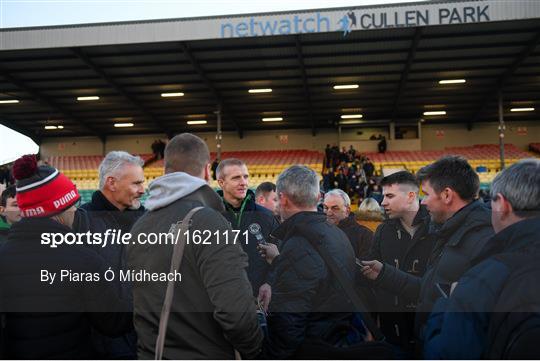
4, 229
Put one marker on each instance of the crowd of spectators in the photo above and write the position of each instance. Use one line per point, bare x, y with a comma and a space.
5, 175
352, 172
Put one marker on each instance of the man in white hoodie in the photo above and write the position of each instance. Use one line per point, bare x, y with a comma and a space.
213, 310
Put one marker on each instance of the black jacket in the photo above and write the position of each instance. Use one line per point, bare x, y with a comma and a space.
307, 301
458, 241
369, 168
258, 222
54, 320
3, 235
329, 180
361, 237
342, 182
98, 216
393, 245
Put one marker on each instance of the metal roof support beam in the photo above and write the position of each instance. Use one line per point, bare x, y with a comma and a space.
215, 92
119, 89
503, 78
307, 95
42, 99
406, 70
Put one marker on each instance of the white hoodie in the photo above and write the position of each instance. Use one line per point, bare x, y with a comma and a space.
170, 188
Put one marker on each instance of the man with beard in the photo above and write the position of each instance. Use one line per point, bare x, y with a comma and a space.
115, 206
492, 312
450, 186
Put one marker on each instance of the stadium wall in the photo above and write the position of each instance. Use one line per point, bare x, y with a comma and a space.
433, 137
454, 135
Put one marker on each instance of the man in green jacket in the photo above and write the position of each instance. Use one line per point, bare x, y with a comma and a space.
9, 212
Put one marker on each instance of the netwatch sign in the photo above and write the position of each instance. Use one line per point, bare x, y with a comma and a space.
342, 20
366, 19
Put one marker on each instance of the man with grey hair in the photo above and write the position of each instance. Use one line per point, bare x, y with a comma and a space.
115, 206
308, 300
337, 207
213, 309
121, 179
493, 311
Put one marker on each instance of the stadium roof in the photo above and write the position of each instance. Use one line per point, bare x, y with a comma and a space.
301, 56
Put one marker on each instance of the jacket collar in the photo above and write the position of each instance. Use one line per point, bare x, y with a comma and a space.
208, 197
101, 203
472, 215
30, 229
4, 226
422, 216
522, 237
248, 204
300, 219
346, 222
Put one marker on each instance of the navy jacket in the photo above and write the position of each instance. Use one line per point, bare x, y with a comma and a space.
458, 326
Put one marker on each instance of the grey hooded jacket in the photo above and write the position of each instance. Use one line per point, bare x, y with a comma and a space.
213, 310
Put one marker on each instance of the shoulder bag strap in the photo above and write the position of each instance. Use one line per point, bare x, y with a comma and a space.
176, 261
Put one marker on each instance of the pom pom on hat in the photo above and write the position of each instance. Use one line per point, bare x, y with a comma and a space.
25, 167
42, 191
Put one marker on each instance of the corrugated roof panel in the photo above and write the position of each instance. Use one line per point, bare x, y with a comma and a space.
250, 64
478, 53
357, 58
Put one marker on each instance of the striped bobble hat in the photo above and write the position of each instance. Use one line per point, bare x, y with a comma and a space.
42, 191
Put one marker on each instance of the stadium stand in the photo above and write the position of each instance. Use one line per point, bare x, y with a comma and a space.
267, 165
263, 166
534, 147
483, 157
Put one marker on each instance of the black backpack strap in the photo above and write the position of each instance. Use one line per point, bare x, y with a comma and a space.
345, 281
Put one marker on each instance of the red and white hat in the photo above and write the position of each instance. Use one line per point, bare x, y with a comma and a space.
42, 191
